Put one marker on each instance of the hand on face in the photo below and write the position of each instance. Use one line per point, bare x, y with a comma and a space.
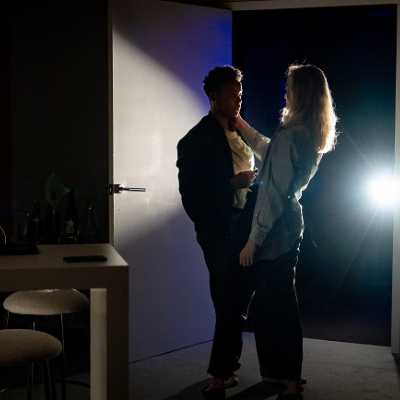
237, 123
243, 179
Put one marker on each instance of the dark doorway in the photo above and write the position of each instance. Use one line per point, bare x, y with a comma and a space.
344, 274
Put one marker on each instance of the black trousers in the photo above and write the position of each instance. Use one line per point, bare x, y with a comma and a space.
277, 325
231, 287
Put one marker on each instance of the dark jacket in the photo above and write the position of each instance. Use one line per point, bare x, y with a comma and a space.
205, 169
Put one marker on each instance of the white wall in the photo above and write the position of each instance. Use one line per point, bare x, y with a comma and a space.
161, 53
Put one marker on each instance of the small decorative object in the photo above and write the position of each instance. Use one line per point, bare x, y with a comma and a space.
4, 236
34, 224
89, 233
69, 233
55, 192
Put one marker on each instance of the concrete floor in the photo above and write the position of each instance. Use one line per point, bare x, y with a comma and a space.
334, 370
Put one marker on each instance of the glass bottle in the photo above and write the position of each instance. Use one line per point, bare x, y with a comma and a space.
90, 232
70, 221
34, 224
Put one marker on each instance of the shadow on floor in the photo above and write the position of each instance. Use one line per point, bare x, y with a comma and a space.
397, 362
260, 391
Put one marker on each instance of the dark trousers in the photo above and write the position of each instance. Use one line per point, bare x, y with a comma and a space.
230, 287
277, 326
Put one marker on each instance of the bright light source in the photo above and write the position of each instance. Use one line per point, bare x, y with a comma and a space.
384, 191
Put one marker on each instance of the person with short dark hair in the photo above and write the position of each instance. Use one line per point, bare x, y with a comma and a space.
218, 77
216, 169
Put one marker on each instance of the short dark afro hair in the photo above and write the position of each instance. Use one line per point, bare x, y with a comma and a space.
218, 76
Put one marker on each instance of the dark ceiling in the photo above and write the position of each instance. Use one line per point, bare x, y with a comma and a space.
211, 3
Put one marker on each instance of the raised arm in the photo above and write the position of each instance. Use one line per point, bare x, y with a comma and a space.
253, 138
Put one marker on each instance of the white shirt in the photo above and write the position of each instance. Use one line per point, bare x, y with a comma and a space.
243, 160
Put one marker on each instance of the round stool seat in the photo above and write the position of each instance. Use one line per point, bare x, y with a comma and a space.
46, 302
23, 346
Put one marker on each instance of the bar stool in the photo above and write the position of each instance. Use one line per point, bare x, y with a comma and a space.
48, 302
27, 347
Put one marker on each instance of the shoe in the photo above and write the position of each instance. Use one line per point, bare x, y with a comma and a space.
231, 382
213, 391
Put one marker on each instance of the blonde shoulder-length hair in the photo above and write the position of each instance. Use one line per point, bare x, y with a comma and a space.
309, 103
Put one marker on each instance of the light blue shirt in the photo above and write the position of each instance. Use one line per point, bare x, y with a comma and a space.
289, 162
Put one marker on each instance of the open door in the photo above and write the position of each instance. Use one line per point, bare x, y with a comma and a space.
160, 54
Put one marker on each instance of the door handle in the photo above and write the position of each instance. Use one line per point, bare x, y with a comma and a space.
114, 188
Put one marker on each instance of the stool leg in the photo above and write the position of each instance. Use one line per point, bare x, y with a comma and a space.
63, 361
29, 383
46, 380
33, 365
7, 319
53, 380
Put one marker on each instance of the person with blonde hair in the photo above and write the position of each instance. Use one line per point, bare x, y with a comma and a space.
289, 161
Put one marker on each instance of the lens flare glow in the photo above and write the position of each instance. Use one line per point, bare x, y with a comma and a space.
384, 191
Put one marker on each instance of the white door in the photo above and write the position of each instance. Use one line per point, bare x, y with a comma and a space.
160, 54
